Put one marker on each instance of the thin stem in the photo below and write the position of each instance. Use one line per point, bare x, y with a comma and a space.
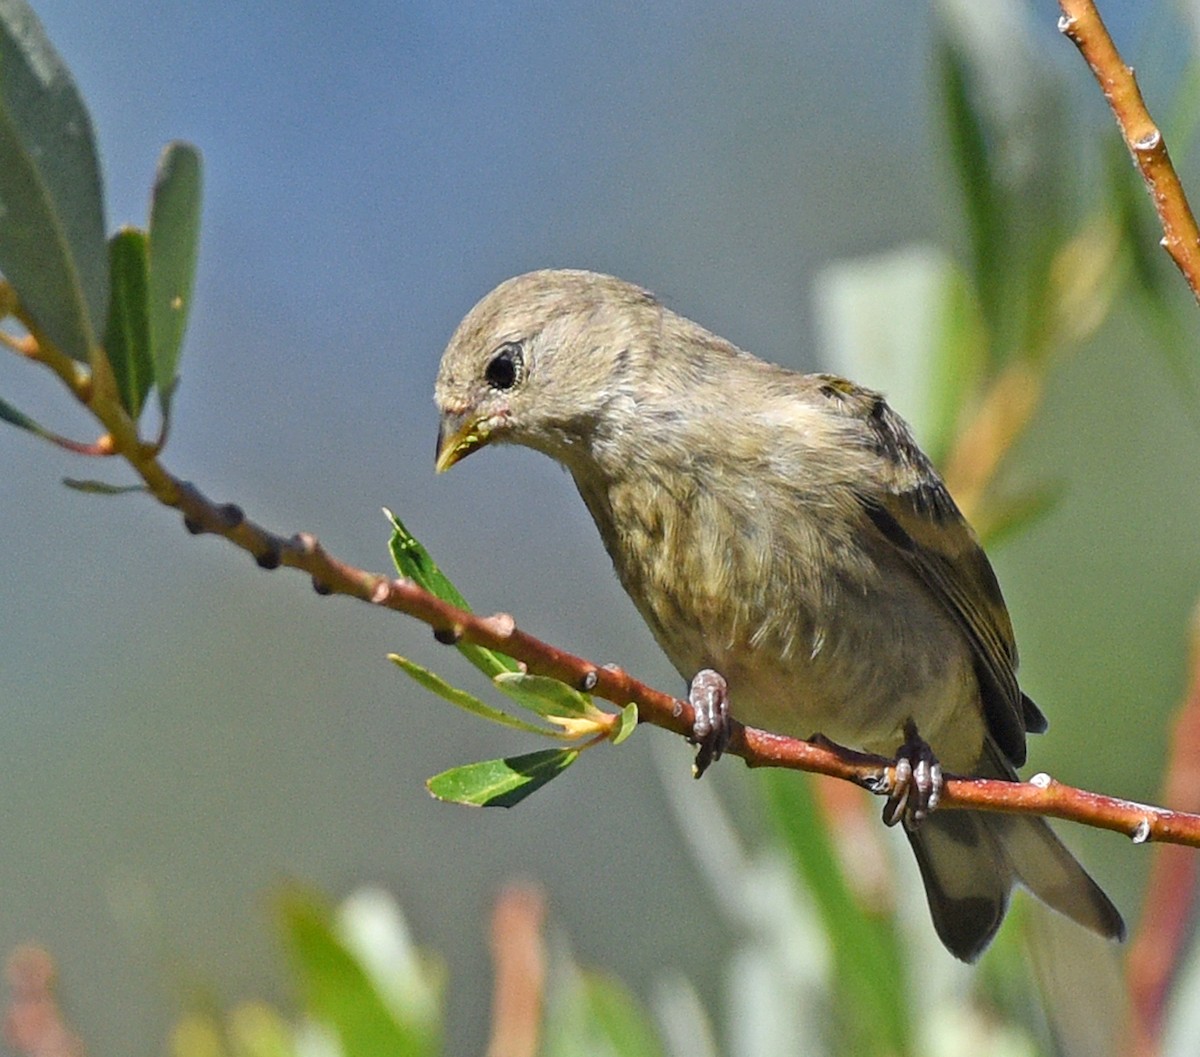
1082, 24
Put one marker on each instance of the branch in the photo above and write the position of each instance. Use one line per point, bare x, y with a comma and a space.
519, 959
1081, 22
1163, 936
758, 748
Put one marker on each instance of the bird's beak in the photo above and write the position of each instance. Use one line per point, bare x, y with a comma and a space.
458, 436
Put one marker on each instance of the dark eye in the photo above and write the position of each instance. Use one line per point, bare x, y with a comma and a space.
506, 367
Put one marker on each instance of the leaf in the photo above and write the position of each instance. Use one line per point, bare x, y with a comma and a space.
501, 783
339, 991
197, 1035
414, 562
626, 724
127, 338
462, 699
13, 417
102, 487
1005, 515
1002, 105
873, 1000
52, 245
174, 246
596, 1015
256, 1030
904, 323
545, 696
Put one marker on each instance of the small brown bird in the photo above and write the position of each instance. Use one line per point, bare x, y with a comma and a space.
792, 549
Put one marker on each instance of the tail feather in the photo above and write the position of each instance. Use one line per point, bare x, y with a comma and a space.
969, 862
967, 879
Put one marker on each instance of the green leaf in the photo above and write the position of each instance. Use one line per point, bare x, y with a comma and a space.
1002, 105
904, 323
102, 487
545, 696
595, 1015
339, 990
174, 244
467, 702
501, 783
414, 562
870, 967
13, 417
52, 245
628, 721
127, 338
1006, 515
256, 1030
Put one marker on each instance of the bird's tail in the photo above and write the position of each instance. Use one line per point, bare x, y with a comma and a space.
970, 861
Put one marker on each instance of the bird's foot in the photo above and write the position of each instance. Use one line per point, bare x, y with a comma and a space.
709, 698
918, 783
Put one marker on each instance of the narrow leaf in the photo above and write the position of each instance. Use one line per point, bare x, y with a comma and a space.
127, 338
339, 991
414, 562
902, 322
595, 1014
628, 721
545, 696
874, 1004
13, 417
501, 783
467, 702
52, 245
102, 487
174, 244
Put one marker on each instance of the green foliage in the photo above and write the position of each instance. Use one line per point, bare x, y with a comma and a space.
174, 246
873, 1006
118, 305
127, 341
363, 990
572, 715
501, 783
52, 246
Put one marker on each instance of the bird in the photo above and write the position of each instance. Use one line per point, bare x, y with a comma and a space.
794, 553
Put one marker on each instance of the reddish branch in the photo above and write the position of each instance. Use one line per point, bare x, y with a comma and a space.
519, 960
1164, 935
33, 1023
759, 748
1081, 22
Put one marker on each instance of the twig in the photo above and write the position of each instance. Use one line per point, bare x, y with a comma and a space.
33, 1023
1164, 935
759, 748
1081, 22
519, 959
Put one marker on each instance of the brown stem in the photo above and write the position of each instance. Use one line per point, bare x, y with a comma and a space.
33, 1022
519, 958
1081, 22
758, 748
1165, 928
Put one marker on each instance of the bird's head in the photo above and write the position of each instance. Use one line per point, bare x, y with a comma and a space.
536, 362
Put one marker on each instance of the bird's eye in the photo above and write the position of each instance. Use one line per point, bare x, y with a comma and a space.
506, 367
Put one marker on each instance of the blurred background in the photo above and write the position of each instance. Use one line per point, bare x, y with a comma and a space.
183, 733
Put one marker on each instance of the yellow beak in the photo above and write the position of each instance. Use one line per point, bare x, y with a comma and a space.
458, 436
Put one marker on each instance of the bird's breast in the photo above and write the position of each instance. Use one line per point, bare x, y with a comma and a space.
814, 628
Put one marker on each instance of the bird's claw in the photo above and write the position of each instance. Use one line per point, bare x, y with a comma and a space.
917, 786
709, 698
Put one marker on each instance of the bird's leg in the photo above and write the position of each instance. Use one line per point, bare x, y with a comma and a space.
709, 698
918, 782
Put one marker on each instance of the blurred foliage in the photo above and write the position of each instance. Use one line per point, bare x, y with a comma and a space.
966, 342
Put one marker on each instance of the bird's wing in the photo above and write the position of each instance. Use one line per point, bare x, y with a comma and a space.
914, 512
